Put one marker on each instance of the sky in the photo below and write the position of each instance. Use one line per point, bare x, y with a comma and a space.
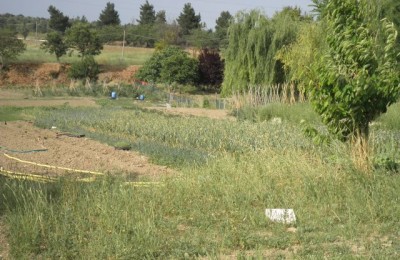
129, 10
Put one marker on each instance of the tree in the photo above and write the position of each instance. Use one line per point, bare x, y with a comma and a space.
161, 17
358, 77
109, 16
83, 39
179, 68
319, 8
201, 39
391, 10
211, 69
55, 44
250, 57
24, 31
147, 14
188, 20
221, 28
10, 46
169, 65
87, 68
298, 57
58, 21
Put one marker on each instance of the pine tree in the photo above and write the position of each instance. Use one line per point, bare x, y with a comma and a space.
188, 20
58, 21
161, 17
147, 14
221, 28
109, 16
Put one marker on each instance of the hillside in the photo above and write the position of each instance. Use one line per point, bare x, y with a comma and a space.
47, 74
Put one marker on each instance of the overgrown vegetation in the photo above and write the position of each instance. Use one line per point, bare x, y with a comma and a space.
87, 68
230, 171
170, 65
254, 40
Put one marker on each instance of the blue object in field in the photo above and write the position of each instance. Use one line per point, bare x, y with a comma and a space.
141, 97
113, 95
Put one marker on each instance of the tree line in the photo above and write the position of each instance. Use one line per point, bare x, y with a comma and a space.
150, 28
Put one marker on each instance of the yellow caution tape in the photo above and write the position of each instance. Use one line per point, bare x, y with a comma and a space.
26, 176
53, 167
46, 179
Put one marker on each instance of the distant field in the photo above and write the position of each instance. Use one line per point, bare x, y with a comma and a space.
111, 55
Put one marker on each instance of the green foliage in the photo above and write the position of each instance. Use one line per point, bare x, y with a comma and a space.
147, 14
179, 68
161, 17
188, 20
221, 28
294, 113
58, 21
254, 40
201, 39
109, 16
87, 68
11, 113
391, 10
84, 39
122, 146
10, 46
299, 56
169, 65
24, 31
109, 34
358, 77
55, 44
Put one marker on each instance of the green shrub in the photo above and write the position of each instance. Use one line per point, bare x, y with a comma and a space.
170, 65
87, 68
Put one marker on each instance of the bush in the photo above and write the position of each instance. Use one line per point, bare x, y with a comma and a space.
211, 69
170, 65
87, 68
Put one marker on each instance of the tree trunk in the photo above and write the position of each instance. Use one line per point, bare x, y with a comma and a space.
360, 151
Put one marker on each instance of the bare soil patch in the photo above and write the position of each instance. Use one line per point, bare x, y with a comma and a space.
69, 152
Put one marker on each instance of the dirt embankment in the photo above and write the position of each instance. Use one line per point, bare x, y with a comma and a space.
48, 74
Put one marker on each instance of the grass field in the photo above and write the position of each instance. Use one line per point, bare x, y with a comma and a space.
110, 55
229, 172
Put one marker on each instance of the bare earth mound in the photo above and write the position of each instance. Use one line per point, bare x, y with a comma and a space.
68, 152
47, 74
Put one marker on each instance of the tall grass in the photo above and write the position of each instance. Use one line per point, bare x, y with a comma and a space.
229, 173
213, 211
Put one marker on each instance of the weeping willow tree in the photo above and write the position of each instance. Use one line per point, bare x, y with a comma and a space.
254, 40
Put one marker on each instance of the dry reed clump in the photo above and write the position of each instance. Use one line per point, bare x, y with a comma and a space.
262, 95
361, 153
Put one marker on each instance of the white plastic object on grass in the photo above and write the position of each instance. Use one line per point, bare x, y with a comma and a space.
286, 216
